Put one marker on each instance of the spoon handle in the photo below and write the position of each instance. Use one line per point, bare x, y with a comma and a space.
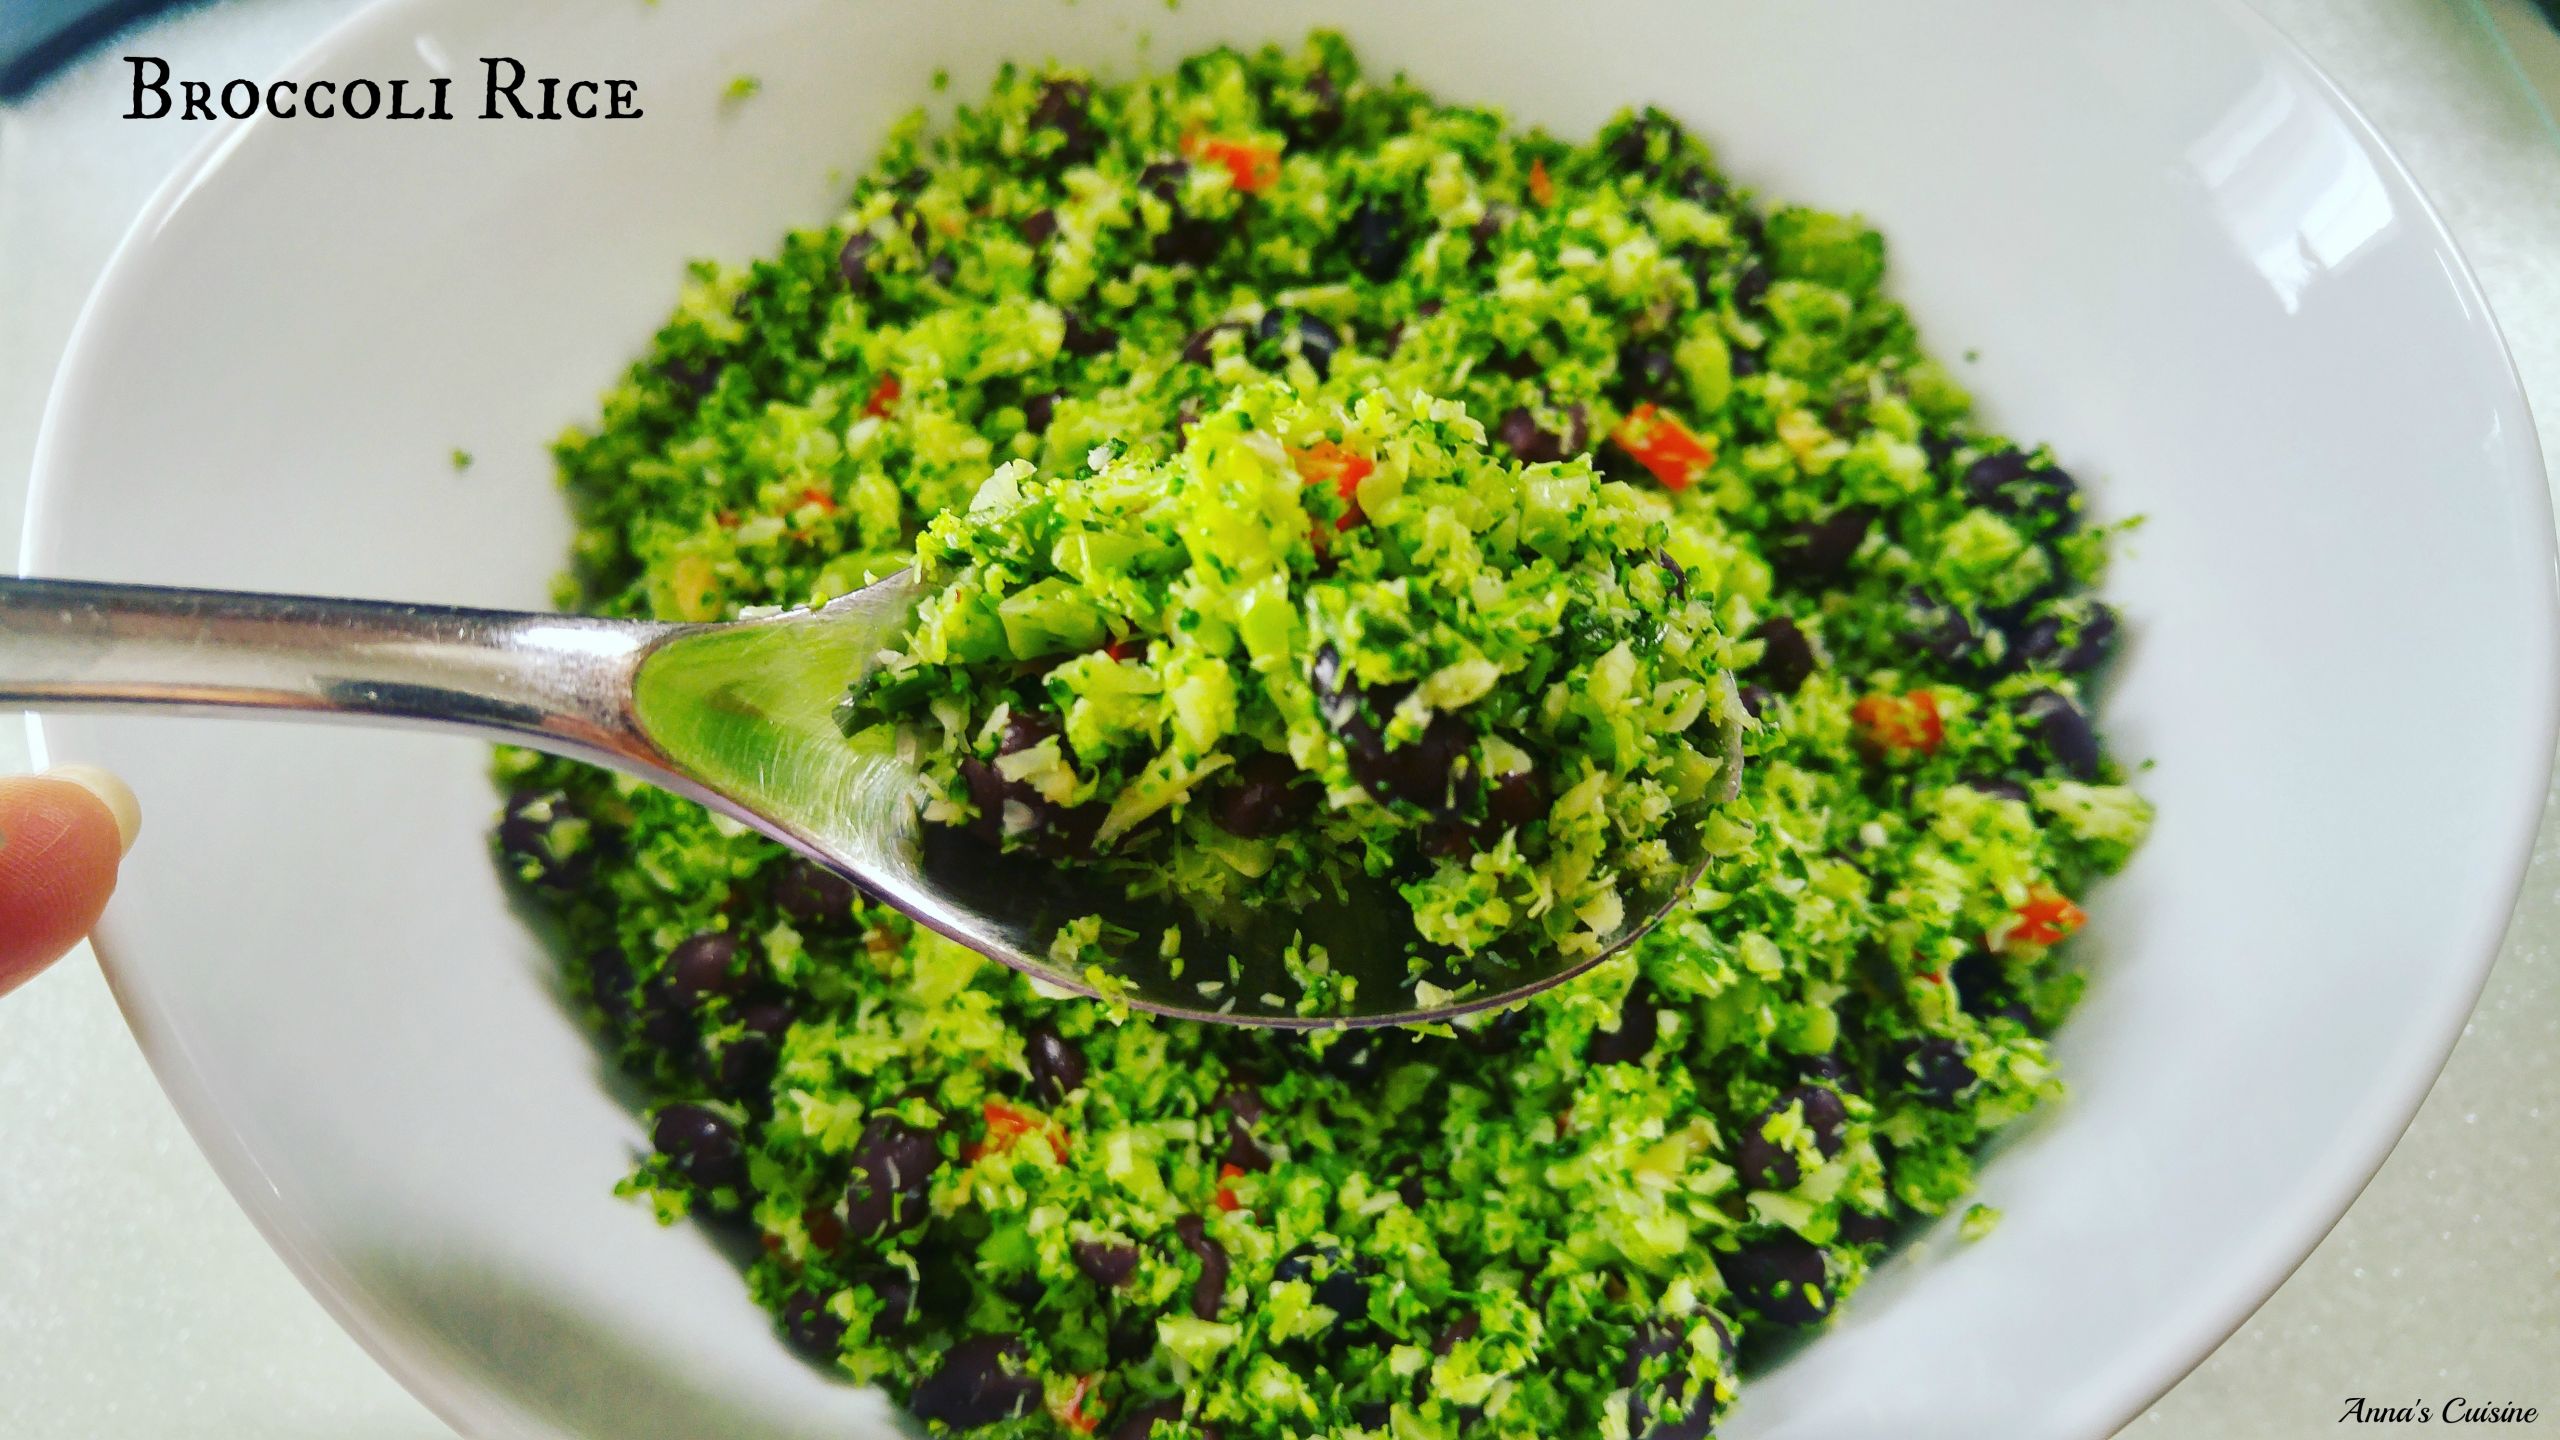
557, 682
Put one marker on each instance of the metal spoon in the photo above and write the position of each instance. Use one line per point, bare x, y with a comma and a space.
741, 717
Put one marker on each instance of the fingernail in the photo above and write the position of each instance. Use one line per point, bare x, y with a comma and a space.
111, 792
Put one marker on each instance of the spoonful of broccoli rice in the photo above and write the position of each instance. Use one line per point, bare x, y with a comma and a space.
1329, 717
1331, 714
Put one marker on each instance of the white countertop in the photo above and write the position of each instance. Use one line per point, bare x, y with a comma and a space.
136, 1303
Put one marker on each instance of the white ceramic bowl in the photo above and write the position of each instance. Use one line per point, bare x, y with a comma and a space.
2177, 251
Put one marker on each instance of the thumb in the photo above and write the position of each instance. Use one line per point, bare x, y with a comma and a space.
62, 835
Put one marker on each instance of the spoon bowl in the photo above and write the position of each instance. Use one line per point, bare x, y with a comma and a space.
741, 716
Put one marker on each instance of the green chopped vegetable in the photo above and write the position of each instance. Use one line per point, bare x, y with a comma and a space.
1332, 640
1054, 316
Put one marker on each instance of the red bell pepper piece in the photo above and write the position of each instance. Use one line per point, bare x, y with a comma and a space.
1899, 724
1674, 453
1252, 167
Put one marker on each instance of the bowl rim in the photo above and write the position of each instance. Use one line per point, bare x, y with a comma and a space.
470, 1409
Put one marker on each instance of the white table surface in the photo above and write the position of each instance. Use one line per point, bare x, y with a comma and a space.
136, 1303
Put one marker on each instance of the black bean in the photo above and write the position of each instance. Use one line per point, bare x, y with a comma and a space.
1283, 333
1661, 1410
1782, 1278
1190, 241
814, 896
1827, 1068
1457, 1332
1815, 551
1638, 1026
609, 984
1210, 1290
909, 216
1198, 348
1309, 114
1339, 1284
2040, 645
1054, 830
1039, 226
1168, 1413
743, 1068
1679, 581
895, 1290
1519, 433
2008, 482
1378, 240
1244, 1150
768, 1014
1516, 799
1938, 630
1767, 1165
666, 1022
1338, 699
1936, 1069
1860, 1228
1699, 186
809, 1326
942, 269
702, 1146
1577, 429
1130, 1341
1786, 659
1756, 700
1062, 108
1265, 794
1107, 1263
1422, 773
946, 1288
1825, 1114
1644, 144
1057, 1066
698, 968
695, 378
1751, 287
2095, 642
853, 262
1359, 1057
893, 1166
1493, 1031
1164, 179
537, 825
1244, 1101
982, 1380
1496, 217
1141, 1423
1083, 338
1448, 840
1745, 362
1996, 787
1648, 372
1038, 411
2063, 729
1982, 984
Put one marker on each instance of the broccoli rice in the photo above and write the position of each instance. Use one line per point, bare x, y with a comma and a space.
1033, 335
1332, 652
